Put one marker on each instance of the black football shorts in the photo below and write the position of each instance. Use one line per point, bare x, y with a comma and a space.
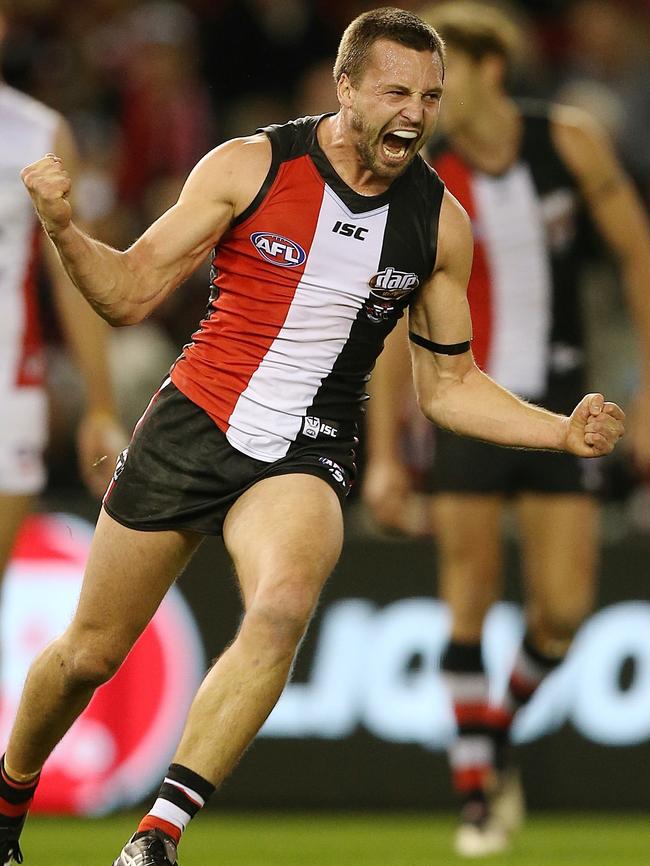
181, 472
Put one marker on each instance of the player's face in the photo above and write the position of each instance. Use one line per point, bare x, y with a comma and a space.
395, 107
464, 90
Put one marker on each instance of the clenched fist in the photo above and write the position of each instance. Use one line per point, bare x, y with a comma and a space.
48, 183
594, 427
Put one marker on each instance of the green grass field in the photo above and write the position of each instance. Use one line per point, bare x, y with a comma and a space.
342, 840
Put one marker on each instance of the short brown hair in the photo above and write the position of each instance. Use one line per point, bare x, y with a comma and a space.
478, 29
385, 23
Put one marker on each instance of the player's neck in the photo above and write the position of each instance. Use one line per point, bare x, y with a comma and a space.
491, 140
337, 145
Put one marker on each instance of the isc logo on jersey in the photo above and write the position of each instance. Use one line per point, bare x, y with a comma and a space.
278, 250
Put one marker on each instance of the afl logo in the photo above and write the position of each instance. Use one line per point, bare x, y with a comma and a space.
278, 250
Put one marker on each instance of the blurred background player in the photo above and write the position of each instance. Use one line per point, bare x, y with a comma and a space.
524, 173
29, 128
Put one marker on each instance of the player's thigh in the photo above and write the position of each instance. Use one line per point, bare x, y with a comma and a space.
13, 510
127, 575
285, 534
469, 547
560, 537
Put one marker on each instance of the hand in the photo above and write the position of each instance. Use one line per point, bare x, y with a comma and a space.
48, 183
100, 439
594, 427
386, 490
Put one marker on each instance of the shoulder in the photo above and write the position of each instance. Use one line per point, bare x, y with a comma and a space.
231, 171
454, 220
236, 153
455, 240
231, 174
580, 140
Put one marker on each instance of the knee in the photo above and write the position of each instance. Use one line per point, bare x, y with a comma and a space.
279, 617
88, 660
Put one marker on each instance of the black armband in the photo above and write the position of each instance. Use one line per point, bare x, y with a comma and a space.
440, 348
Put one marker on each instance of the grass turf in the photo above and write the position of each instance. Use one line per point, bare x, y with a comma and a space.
342, 840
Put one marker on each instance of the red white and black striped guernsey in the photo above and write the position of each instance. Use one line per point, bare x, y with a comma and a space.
306, 286
523, 291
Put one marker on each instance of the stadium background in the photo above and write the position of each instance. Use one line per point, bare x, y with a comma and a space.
148, 88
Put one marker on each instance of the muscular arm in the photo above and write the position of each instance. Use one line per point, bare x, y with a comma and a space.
452, 391
124, 287
618, 213
85, 333
99, 434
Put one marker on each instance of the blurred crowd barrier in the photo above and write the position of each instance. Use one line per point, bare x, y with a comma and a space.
365, 720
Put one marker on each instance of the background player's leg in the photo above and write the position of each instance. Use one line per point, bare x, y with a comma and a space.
469, 559
127, 575
560, 538
284, 535
469, 565
13, 510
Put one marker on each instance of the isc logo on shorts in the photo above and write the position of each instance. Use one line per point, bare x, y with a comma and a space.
313, 427
278, 250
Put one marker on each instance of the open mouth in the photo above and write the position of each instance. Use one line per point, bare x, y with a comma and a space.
396, 144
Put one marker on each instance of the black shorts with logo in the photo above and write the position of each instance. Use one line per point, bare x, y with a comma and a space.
181, 472
469, 466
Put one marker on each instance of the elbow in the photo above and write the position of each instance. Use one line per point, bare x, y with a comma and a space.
122, 316
429, 406
132, 317
133, 304
439, 403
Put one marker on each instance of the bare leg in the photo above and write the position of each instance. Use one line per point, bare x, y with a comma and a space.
127, 575
285, 536
469, 559
560, 535
469, 543
13, 510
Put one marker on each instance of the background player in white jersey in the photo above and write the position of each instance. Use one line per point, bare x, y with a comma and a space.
28, 128
523, 172
296, 298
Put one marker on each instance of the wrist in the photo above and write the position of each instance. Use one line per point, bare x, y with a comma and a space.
62, 236
563, 426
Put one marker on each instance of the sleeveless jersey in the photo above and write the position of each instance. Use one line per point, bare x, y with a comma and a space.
523, 291
27, 131
306, 286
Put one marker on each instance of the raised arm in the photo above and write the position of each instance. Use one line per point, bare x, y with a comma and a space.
125, 287
99, 437
452, 391
619, 215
